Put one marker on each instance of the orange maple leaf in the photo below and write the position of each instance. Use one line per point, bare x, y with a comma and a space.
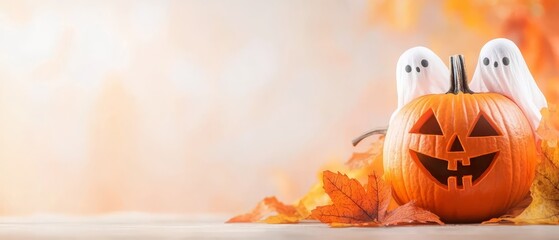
353, 205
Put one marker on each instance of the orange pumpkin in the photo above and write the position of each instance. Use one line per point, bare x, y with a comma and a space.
465, 156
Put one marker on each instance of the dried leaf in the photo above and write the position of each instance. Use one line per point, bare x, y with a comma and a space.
409, 213
353, 206
302, 210
380, 195
263, 208
350, 201
371, 157
282, 219
316, 196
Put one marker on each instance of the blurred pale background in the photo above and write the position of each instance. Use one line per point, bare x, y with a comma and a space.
195, 107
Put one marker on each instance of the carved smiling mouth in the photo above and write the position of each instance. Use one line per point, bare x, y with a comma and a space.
439, 168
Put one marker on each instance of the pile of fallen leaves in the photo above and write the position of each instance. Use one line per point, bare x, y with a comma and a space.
342, 201
353, 205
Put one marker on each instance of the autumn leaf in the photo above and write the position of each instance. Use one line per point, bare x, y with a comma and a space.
282, 219
409, 214
544, 207
350, 201
355, 205
371, 157
266, 207
358, 166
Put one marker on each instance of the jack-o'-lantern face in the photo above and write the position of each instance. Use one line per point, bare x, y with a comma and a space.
460, 166
464, 156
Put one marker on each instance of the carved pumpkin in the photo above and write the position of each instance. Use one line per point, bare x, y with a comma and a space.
465, 156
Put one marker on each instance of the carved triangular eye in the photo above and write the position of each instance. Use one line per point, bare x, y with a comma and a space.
484, 128
427, 124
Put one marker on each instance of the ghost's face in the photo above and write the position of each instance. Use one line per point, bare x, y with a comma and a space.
504, 60
409, 69
500, 66
419, 72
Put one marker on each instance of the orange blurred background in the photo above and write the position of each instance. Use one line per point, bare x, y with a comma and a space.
195, 107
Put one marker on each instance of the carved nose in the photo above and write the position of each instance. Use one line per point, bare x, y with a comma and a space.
456, 145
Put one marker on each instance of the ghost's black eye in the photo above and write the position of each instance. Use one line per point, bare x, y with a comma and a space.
506, 61
408, 68
424, 63
486, 61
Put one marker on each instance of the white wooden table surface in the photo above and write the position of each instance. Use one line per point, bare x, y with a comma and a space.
144, 226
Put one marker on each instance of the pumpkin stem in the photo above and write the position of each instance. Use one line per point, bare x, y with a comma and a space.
458, 79
380, 131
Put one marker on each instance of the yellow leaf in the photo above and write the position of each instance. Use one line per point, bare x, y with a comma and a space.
282, 219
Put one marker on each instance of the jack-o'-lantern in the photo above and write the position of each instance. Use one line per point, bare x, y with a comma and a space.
465, 156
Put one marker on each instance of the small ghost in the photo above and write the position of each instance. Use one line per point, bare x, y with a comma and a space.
419, 72
502, 69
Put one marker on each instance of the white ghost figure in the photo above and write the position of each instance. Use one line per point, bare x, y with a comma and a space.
502, 69
419, 72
